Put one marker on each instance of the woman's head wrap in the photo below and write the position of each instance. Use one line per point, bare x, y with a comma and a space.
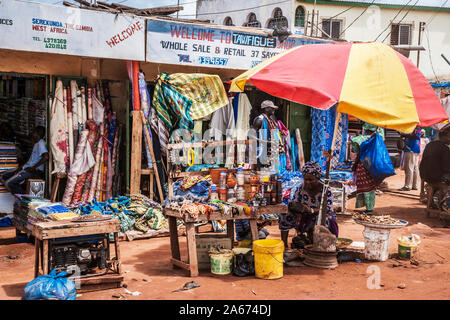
312, 168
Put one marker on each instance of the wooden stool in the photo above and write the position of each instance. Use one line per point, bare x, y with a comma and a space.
55, 186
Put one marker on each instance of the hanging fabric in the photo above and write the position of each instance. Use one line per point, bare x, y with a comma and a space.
58, 138
322, 136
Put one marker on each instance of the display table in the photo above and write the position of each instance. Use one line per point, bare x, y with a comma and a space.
43, 232
192, 264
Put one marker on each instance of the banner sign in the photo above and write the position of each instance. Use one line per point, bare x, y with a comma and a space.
208, 46
47, 28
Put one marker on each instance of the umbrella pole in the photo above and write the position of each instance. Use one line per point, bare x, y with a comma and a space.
323, 203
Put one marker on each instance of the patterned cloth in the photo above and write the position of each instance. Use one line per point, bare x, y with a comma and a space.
312, 168
321, 139
181, 98
364, 181
58, 136
306, 222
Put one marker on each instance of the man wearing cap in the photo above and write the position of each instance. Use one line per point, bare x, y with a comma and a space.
267, 123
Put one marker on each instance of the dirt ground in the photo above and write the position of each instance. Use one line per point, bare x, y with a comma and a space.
147, 269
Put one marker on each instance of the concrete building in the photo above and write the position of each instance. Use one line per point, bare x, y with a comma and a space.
260, 14
402, 23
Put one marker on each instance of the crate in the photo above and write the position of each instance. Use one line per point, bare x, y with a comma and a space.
207, 241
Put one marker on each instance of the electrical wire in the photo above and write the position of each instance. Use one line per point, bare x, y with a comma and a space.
429, 54
402, 19
392, 20
435, 14
340, 34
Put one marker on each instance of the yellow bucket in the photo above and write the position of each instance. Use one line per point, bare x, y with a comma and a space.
408, 246
268, 258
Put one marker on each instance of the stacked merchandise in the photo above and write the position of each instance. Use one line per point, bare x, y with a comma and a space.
8, 161
27, 204
29, 210
23, 114
84, 137
37, 113
139, 216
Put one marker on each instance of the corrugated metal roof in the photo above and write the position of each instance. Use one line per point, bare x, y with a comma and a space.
420, 3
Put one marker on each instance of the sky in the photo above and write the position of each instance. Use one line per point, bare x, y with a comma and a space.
188, 12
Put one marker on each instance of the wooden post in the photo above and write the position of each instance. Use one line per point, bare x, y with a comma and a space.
192, 249
37, 247
152, 154
136, 153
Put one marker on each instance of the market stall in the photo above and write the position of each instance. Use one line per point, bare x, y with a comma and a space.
231, 194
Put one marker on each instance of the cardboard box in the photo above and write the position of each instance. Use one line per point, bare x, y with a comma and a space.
207, 241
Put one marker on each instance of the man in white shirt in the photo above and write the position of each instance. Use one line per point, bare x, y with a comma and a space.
33, 169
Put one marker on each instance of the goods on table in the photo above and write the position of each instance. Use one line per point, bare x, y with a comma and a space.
386, 219
63, 216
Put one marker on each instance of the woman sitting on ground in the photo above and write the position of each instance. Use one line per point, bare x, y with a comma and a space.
304, 208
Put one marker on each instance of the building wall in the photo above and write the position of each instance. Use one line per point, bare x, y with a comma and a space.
263, 11
375, 20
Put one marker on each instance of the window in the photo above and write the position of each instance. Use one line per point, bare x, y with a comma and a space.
252, 21
332, 27
299, 17
400, 34
278, 21
228, 22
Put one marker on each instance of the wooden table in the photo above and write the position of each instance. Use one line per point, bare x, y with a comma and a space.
192, 264
43, 232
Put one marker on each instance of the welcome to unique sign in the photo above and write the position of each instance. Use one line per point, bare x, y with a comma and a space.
47, 28
207, 46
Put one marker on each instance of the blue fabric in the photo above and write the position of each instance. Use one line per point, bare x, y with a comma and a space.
241, 225
341, 175
414, 145
57, 208
200, 189
294, 157
375, 158
321, 139
236, 106
5, 222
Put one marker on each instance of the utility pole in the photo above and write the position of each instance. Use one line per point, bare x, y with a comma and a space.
421, 28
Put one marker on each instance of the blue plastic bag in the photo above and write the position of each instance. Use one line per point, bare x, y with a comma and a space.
375, 158
51, 287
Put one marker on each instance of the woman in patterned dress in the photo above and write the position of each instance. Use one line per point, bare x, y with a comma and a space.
365, 184
304, 208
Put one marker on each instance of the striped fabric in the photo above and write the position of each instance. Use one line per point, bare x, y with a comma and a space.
8, 160
181, 98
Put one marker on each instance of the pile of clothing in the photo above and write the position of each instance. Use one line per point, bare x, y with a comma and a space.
137, 214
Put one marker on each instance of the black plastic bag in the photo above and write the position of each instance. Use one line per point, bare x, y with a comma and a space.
244, 264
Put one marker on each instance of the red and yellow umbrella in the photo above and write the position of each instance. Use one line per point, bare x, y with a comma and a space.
370, 81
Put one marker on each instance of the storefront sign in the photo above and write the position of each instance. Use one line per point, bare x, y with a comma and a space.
55, 29
208, 46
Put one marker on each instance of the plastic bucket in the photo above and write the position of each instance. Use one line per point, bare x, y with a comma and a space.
268, 258
245, 243
376, 244
408, 246
221, 263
